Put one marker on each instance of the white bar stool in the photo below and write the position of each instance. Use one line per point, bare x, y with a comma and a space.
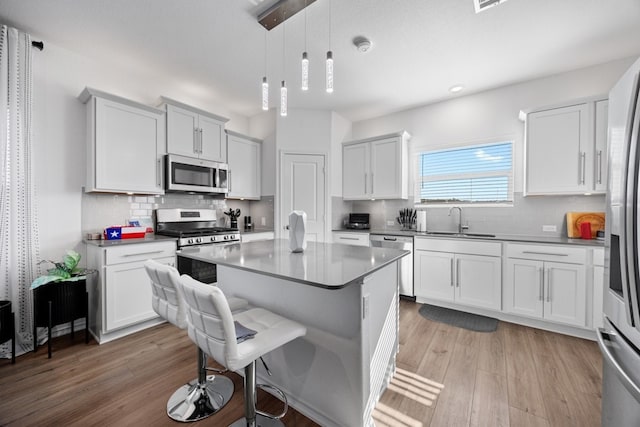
211, 326
207, 394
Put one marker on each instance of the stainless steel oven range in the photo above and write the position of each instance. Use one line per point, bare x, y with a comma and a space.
195, 227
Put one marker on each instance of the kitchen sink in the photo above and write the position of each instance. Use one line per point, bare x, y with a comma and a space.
456, 234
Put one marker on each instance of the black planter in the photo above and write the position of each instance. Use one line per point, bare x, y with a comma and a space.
7, 327
59, 302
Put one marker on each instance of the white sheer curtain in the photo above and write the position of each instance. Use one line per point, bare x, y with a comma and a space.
19, 243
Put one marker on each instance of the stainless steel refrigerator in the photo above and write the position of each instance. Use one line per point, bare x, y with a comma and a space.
619, 339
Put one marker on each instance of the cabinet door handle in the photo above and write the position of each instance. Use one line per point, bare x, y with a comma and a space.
159, 173
583, 157
457, 273
599, 166
195, 140
541, 273
366, 177
452, 272
544, 253
348, 238
200, 142
548, 286
143, 253
371, 183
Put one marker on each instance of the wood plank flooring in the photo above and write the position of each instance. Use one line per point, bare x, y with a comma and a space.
516, 376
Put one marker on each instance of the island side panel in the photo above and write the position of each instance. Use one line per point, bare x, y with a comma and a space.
326, 374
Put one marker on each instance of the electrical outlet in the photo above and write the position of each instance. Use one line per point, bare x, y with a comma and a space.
551, 228
263, 221
390, 222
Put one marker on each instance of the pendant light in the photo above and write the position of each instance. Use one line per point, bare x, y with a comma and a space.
305, 59
283, 88
329, 63
265, 84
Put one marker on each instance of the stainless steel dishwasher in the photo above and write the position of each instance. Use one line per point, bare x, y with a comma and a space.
406, 262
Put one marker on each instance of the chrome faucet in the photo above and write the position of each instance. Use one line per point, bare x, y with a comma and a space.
460, 226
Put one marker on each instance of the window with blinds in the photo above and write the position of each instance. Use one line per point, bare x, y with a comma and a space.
478, 174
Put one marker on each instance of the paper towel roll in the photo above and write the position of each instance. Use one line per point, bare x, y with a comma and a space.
421, 220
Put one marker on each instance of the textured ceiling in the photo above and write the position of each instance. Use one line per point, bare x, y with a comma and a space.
420, 47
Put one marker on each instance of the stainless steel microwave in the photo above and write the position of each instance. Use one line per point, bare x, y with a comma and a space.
193, 175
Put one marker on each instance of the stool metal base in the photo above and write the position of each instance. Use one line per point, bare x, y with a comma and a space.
194, 401
261, 421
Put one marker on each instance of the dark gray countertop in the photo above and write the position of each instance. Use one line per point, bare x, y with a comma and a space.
498, 237
148, 239
326, 265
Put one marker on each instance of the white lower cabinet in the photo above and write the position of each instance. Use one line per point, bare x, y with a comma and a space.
120, 300
598, 287
538, 285
464, 272
350, 238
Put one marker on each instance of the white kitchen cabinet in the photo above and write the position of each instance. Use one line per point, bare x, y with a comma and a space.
356, 238
120, 298
376, 168
565, 149
245, 159
193, 132
546, 282
601, 155
598, 287
460, 271
125, 145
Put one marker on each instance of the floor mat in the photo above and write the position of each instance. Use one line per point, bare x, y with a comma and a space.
473, 322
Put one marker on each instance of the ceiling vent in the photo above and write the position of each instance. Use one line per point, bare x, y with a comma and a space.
486, 4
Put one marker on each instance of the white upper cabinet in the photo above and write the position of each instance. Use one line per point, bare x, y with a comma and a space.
376, 168
126, 145
566, 149
245, 158
193, 132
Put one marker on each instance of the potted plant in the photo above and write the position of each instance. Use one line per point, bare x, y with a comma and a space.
60, 296
67, 270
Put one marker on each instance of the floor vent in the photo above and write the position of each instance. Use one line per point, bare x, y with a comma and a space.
486, 4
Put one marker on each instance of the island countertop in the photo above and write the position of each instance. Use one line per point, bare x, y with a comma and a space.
326, 265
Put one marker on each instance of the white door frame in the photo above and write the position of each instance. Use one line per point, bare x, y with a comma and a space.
278, 198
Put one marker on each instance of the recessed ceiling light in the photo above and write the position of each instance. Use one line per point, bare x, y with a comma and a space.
456, 88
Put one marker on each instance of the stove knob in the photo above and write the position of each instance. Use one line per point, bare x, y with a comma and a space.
213, 238
226, 237
190, 241
199, 240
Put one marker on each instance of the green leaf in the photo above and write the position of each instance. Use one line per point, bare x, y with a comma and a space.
71, 260
42, 280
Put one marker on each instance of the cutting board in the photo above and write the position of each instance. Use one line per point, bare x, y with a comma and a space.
574, 219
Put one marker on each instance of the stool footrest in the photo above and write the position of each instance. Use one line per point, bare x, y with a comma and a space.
284, 400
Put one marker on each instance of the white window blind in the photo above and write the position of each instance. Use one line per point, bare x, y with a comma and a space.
466, 175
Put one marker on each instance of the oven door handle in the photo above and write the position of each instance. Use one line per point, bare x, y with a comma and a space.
609, 357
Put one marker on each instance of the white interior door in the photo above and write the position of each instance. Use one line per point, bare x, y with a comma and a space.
302, 184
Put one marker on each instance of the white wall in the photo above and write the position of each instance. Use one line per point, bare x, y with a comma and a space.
340, 132
60, 137
263, 126
491, 115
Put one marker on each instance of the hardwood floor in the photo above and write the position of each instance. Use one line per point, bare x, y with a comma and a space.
516, 376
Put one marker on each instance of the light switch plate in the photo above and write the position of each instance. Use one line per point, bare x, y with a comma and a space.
551, 228
390, 223
263, 221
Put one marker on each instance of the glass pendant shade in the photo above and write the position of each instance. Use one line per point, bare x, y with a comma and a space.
329, 70
283, 100
265, 94
305, 71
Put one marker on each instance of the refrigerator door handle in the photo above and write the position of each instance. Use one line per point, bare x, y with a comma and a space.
631, 219
603, 335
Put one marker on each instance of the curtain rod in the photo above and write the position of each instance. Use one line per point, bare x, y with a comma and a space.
38, 45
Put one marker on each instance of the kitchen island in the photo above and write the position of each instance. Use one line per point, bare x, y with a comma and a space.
346, 296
